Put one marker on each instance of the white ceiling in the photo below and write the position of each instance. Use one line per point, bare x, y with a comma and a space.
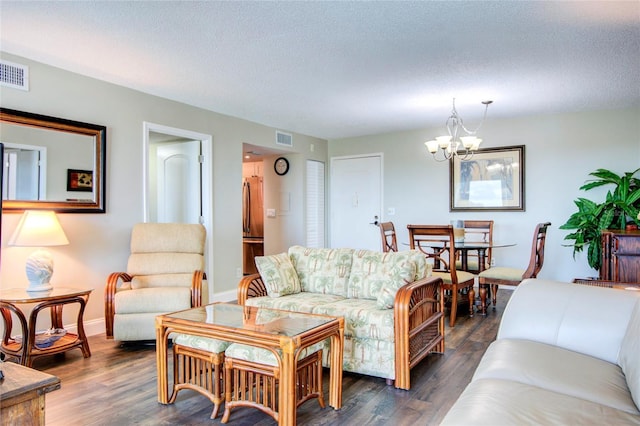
340, 69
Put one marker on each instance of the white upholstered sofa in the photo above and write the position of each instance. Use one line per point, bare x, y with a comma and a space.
393, 310
565, 354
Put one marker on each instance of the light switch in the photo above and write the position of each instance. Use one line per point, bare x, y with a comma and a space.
391, 211
271, 212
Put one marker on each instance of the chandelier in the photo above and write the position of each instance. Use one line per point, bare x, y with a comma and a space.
455, 143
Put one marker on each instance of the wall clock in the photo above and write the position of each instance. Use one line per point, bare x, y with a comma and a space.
281, 166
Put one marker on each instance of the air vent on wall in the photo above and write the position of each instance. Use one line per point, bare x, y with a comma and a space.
14, 75
284, 139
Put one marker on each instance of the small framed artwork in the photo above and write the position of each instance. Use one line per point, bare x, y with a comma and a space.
79, 180
492, 180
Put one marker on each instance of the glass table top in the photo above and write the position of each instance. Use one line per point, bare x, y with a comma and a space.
21, 295
249, 318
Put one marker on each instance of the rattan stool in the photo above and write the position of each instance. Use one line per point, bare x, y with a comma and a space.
254, 384
198, 365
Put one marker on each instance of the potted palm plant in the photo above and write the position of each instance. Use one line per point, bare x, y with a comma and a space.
620, 207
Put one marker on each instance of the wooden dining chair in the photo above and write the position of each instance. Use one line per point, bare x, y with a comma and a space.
437, 244
477, 230
388, 234
500, 275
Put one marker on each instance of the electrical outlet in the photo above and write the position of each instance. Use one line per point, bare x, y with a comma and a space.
493, 261
238, 272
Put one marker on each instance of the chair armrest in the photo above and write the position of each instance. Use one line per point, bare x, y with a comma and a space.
419, 325
585, 319
196, 288
109, 296
251, 286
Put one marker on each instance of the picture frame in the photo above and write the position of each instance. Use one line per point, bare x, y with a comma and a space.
492, 180
79, 180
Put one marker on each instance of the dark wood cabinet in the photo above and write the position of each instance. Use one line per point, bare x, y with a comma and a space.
621, 256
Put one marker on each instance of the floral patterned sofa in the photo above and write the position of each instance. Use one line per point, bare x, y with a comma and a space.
393, 308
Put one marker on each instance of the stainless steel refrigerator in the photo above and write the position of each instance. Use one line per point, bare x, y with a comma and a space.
252, 223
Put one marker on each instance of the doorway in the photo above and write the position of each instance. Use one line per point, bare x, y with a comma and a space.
356, 201
178, 169
25, 171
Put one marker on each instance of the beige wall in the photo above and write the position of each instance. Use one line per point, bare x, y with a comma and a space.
561, 150
99, 242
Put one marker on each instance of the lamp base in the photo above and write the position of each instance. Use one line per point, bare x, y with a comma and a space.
39, 268
39, 288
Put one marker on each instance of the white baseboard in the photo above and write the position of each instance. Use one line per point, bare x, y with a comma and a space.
91, 327
225, 296
97, 326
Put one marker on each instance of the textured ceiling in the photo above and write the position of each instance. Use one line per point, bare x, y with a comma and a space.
339, 69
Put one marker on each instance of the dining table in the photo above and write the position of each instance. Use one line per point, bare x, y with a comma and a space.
464, 248
481, 247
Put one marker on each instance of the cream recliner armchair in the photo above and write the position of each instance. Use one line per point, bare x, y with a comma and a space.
164, 274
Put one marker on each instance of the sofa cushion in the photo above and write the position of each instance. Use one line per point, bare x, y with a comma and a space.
322, 270
279, 275
503, 402
371, 270
423, 269
162, 280
299, 302
152, 300
199, 342
629, 356
558, 370
265, 356
563, 320
164, 263
389, 289
362, 318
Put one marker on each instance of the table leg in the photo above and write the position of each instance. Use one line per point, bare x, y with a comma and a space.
161, 362
86, 352
335, 378
287, 390
6, 309
464, 257
56, 316
482, 259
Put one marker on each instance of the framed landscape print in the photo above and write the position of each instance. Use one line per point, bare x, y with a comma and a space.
492, 180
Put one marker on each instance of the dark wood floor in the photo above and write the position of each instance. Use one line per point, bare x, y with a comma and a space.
117, 386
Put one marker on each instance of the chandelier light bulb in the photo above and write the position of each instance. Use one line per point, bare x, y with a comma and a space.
449, 146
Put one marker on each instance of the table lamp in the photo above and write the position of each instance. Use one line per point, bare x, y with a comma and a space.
38, 228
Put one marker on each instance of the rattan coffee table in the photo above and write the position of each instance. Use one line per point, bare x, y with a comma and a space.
271, 329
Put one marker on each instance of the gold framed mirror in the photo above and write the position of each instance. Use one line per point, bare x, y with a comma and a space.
52, 163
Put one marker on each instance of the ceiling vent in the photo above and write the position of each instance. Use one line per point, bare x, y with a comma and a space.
284, 139
14, 75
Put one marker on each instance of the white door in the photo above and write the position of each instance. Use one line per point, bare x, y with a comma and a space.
179, 182
356, 201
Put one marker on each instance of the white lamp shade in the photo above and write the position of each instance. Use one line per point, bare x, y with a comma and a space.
38, 228
443, 141
432, 146
468, 141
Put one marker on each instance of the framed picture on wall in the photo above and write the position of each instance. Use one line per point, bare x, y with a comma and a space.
492, 180
79, 180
